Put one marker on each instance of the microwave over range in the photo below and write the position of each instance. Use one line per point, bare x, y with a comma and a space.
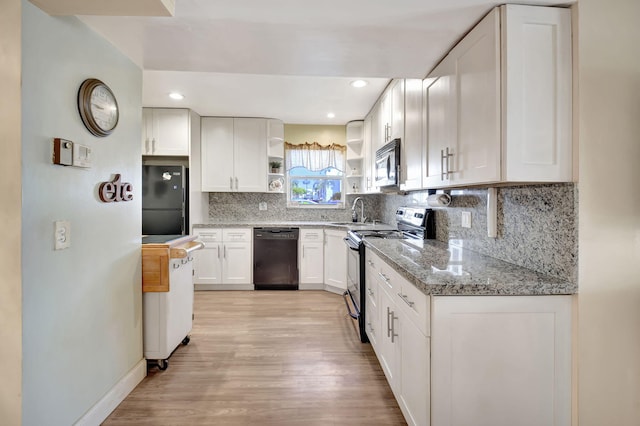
388, 165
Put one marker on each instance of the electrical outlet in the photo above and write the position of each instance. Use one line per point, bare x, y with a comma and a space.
62, 234
466, 219
262, 206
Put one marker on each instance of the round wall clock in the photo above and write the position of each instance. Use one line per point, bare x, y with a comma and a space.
98, 107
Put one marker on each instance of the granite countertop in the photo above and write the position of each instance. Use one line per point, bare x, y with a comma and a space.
337, 225
439, 268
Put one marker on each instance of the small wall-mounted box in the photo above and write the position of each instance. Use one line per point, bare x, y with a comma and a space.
62, 152
81, 155
67, 153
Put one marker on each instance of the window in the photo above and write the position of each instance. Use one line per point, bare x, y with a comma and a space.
315, 175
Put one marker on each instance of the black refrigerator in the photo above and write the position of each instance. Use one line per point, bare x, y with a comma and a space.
164, 200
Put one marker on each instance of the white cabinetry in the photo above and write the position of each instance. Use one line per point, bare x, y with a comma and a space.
225, 262
369, 154
355, 156
311, 259
492, 117
411, 146
165, 131
391, 113
335, 260
501, 360
234, 154
402, 343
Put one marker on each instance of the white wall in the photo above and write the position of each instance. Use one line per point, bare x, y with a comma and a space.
609, 232
10, 193
82, 306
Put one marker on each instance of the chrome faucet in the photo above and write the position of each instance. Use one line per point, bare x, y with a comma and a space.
354, 214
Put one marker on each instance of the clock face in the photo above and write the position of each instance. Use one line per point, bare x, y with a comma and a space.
98, 107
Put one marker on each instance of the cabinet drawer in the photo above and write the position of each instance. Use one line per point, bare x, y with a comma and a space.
207, 235
377, 270
236, 234
311, 235
415, 304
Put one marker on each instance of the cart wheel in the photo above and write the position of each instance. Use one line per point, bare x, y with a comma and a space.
163, 364
186, 340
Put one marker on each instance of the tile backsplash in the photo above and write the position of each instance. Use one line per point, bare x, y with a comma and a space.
537, 224
243, 206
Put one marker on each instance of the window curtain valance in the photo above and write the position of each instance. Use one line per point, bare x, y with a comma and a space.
315, 157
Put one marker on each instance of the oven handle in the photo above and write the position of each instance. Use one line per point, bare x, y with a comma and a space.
350, 244
346, 302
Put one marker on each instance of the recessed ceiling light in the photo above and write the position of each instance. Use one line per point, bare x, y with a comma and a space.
359, 83
177, 96
331, 115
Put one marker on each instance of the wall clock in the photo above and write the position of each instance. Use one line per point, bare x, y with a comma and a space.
98, 107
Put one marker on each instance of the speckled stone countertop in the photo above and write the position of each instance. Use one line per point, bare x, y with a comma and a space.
441, 269
335, 225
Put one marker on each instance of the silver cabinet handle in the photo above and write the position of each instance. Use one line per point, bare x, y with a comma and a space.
448, 155
442, 172
176, 265
393, 327
236, 184
384, 277
370, 327
146, 146
218, 251
406, 300
225, 252
371, 263
184, 261
231, 183
388, 322
369, 291
303, 247
153, 145
190, 258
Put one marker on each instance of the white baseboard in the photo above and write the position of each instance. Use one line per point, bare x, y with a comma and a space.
105, 406
333, 289
206, 287
311, 286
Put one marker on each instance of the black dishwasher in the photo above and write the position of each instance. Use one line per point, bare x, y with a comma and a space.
275, 258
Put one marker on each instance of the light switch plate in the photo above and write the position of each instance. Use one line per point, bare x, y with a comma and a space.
262, 206
62, 234
466, 219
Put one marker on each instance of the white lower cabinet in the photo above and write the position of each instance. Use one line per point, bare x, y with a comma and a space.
335, 259
402, 342
311, 257
226, 259
501, 360
470, 360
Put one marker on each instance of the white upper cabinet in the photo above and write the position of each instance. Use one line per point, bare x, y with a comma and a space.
390, 115
498, 106
537, 94
234, 154
165, 131
439, 97
411, 150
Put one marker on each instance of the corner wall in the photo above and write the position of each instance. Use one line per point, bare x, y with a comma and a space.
10, 211
82, 313
609, 209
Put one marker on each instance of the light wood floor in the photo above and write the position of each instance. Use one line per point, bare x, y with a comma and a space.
266, 358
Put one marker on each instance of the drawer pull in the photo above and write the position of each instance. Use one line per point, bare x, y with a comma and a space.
384, 277
176, 265
406, 300
369, 291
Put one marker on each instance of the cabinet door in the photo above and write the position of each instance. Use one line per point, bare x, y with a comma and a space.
147, 131
170, 131
477, 63
217, 154
250, 154
335, 259
415, 380
312, 263
411, 148
501, 360
537, 115
389, 342
236, 263
396, 118
372, 308
207, 264
440, 108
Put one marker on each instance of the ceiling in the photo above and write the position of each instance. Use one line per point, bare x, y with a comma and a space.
287, 59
